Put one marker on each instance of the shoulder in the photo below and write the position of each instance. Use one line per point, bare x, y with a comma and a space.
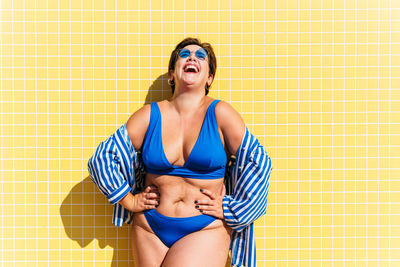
140, 116
137, 125
224, 110
227, 116
231, 124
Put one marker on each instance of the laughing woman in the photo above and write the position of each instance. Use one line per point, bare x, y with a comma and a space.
167, 172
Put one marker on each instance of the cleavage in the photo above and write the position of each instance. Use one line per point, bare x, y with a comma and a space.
181, 155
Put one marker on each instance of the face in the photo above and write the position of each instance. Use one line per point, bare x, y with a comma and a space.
191, 71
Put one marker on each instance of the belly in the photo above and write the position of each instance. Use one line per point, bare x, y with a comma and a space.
178, 194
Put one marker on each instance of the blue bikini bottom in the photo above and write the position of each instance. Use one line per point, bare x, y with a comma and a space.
171, 229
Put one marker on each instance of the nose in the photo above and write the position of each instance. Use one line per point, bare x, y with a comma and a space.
192, 56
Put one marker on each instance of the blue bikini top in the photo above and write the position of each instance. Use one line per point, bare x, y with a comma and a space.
207, 159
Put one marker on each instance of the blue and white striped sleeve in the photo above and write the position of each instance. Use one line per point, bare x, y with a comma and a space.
248, 199
110, 167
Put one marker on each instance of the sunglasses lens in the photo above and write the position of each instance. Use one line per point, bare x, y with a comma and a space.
184, 53
201, 54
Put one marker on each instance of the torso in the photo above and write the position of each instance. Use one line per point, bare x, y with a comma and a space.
178, 194
179, 135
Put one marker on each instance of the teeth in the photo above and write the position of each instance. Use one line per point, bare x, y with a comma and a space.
191, 67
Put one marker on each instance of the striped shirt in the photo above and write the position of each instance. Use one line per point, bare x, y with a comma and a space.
117, 168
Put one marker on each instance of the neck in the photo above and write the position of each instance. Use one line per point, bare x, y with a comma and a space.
187, 101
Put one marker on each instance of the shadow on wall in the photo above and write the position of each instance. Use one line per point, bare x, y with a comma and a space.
87, 215
159, 90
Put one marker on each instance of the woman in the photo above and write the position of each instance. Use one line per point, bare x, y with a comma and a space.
183, 217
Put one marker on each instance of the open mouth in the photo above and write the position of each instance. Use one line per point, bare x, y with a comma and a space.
191, 68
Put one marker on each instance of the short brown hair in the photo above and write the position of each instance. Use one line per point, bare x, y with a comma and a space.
212, 60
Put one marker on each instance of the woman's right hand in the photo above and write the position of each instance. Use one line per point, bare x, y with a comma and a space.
147, 199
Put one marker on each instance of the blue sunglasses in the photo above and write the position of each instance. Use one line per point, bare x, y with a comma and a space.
201, 53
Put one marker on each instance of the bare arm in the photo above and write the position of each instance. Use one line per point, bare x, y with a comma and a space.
137, 126
231, 124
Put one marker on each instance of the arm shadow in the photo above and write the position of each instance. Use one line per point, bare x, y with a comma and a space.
87, 216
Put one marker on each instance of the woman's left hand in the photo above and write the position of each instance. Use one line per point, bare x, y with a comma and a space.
212, 205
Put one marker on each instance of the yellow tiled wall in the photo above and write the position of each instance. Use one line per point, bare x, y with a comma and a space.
317, 81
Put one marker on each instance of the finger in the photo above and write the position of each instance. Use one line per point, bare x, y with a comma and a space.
204, 207
203, 202
153, 190
151, 195
149, 188
208, 193
149, 207
151, 202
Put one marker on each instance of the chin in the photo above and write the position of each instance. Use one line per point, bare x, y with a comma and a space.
189, 82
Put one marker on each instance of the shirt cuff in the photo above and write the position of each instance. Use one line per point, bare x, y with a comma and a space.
119, 193
225, 206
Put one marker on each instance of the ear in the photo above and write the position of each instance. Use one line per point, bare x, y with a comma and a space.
171, 75
210, 80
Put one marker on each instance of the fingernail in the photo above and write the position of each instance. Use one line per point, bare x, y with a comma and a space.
196, 207
201, 190
195, 202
